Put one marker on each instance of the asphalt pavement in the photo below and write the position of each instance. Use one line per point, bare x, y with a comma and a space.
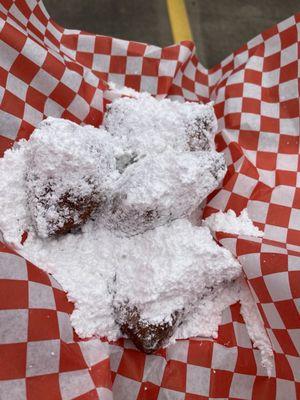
218, 26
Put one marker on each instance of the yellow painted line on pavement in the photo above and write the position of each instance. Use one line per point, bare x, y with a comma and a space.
179, 20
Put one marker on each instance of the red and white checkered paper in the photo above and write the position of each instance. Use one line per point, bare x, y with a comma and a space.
47, 70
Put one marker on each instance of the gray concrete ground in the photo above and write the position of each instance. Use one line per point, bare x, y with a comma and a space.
219, 26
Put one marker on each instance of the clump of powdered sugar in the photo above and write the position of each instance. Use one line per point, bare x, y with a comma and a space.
229, 222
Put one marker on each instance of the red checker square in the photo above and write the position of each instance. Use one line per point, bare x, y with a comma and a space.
13, 294
117, 64
13, 361
70, 41
236, 203
44, 387
164, 84
271, 62
148, 391
273, 262
12, 36
248, 139
297, 387
269, 32
235, 310
22, 5
271, 94
220, 382
261, 192
175, 90
201, 78
71, 358
132, 364
36, 99
63, 95
251, 105
268, 124
12, 104
170, 53
94, 117
288, 144
234, 90
174, 377
91, 395
49, 35
71, 117
43, 325
35, 30
53, 66
40, 15
245, 363
103, 45
289, 72
150, 66
261, 290
233, 120
248, 169
188, 84
289, 109
61, 301
252, 76
264, 388
266, 160
85, 59
229, 67
5, 144
278, 215
200, 352
288, 37
247, 247
86, 91
25, 130
101, 374
283, 369
3, 77
136, 49
288, 178
288, 313
189, 396
296, 202
24, 68
35, 274
285, 342
133, 81
226, 335
73, 66
294, 279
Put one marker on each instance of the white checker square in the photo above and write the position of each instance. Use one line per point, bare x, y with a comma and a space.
105, 394
52, 108
37, 23
294, 265
167, 394
289, 90
125, 388
295, 336
71, 79
54, 282
149, 84
270, 78
13, 389
244, 185
252, 91
285, 390
287, 162
226, 60
283, 195
10, 124
118, 79
115, 357
101, 62
241, 58
257, 210
242, 336
13, 326
277, 233
251, 265
41, 296
287, 23
34, 52
86, 43
94, 351
241, 386
202, 90
255, 63
65, 327
8, 56
233, 105
236, 77
268, 141
97, 100
119, 47
153, 51
255, 41
16, 86
272, 45
226, 316
178, 351
295, 221
32, 116
44, 82
274, 342
154, 369
168, 68
55, 32
198, 380
273, 316
69, 54
289, 126
75, 383
224, 357
269, 109
79, 107
295, 366
42, 357
17, 14
278, 286
289, 54
250, 122
12, 267
134, 65
189, 96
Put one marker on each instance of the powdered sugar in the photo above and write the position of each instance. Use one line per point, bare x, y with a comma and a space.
231, 223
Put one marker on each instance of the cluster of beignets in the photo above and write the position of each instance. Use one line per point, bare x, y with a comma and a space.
153, 162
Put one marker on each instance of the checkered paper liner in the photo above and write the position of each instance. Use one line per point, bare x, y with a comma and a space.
47, 70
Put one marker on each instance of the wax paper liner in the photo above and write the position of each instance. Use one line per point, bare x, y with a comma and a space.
47, 70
